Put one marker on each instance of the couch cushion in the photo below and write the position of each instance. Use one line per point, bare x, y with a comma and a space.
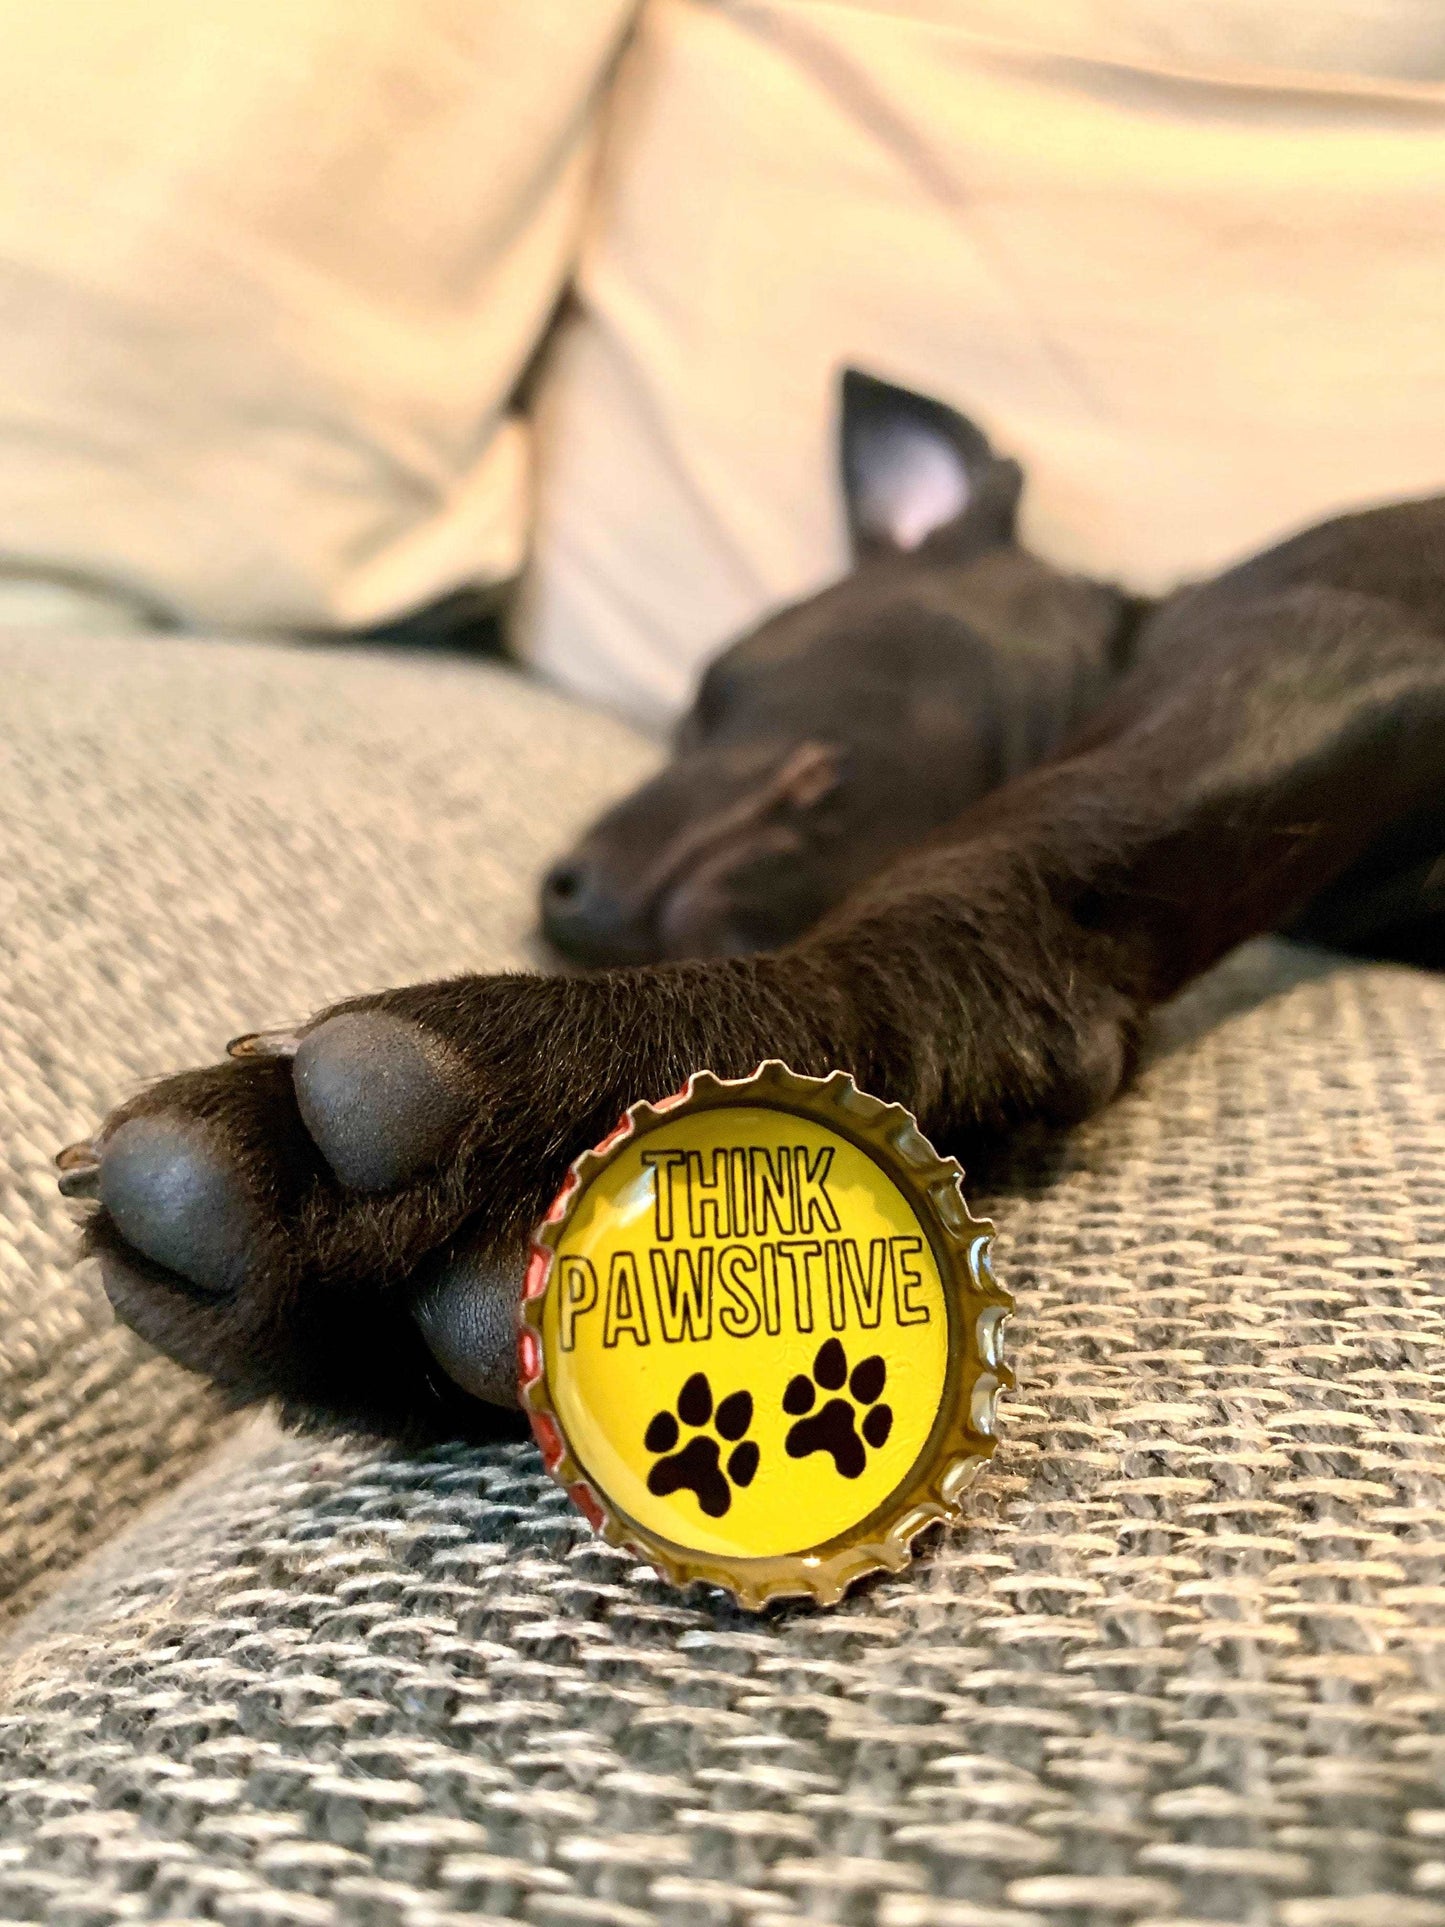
1181, 1664
197, 838
1181, 260
268, 276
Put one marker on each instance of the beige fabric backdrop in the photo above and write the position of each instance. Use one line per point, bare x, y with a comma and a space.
1187, 262
268, 273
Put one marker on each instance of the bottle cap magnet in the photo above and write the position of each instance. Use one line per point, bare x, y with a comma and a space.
761, 1342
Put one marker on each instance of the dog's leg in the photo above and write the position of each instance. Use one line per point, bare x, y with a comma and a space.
1390, 903
277, 1221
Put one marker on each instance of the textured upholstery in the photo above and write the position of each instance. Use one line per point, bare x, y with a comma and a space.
196, 838
1183, 1663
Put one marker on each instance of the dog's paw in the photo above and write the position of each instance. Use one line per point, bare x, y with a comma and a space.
340, 1216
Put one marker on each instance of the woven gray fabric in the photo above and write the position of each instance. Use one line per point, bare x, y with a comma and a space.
1184, 1662
195, 839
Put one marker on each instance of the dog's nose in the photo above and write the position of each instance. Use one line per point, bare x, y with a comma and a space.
585, 920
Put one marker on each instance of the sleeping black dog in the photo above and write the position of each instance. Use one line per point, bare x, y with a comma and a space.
956, 824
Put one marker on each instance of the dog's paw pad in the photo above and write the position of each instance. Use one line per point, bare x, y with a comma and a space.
174, 1194
381, 1096
466, 1310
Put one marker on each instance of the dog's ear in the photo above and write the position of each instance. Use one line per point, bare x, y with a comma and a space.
915, 471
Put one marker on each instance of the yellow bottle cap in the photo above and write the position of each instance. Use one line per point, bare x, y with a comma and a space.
761, 1342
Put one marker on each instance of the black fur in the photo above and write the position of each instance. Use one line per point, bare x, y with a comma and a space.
994, 813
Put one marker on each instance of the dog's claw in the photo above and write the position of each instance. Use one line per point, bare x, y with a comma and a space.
79, 1168
265, 1043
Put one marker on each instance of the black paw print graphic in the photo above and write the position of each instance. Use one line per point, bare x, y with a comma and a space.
698, 1468
834, 1429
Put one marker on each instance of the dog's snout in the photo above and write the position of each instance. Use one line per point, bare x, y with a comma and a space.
708, 860
563, 884
585, 919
